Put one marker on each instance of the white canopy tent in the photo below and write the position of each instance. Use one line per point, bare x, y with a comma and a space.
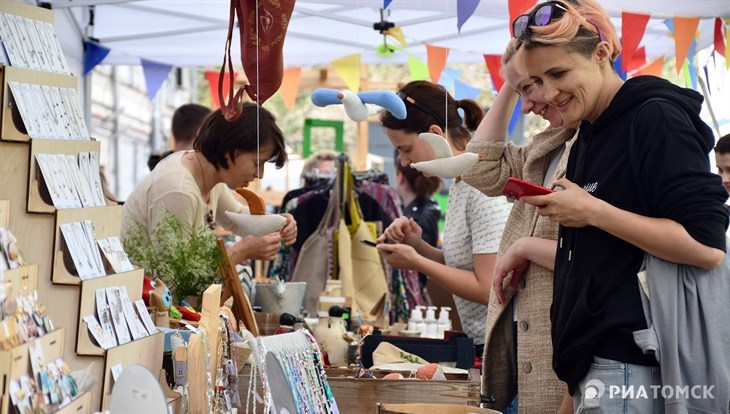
192, 33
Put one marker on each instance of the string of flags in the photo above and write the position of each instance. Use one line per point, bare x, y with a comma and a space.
631, 62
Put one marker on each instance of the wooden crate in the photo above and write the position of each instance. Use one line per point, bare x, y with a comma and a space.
359, 396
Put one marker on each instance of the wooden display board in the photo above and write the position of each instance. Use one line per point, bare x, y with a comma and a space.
10, 122
4, 213
23, 280
26, 10
146, 352
107, 222
39, 200
82, 404
85, 344
15, 363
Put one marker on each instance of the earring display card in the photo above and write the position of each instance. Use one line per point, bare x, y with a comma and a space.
135, 325
72, 184
79, 237
114, 253
105, 316
114, 299
146, 318
50, 112
89, 166
32, 44
97, 332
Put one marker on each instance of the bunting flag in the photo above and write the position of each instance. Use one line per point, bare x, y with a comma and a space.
448, 76
155, 74
719, 41
494, 65
464, 10
417, 68
212, 77
690, 75
727, 39
516, 8
436, 60
515, 116
619, 67
463, 90
93, 55
637, 60
397, 34
654, 68
348, 68
707, 79
290, 86
386, 3
684, 32
633, 26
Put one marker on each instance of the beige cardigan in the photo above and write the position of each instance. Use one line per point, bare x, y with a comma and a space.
531, 371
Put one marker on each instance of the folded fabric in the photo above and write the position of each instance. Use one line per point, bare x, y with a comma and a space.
387, 353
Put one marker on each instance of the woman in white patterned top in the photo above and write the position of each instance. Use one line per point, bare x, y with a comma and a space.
474, 222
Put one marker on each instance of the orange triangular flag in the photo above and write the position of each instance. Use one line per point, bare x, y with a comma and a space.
684, 32
654, 68
436, 60
290, 86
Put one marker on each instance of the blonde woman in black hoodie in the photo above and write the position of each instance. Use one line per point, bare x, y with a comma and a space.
638, 180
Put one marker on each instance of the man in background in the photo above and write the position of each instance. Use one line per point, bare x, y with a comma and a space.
186, 122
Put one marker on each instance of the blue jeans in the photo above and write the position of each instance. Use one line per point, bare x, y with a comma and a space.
512, 408
614, 387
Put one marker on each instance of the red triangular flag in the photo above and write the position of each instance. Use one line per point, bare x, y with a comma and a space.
719, 42
494, 64
212, 77
637, 61
516, 8
436, 60
684, 32
633, 26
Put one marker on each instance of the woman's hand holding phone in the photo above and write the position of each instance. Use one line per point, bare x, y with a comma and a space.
402, 230
572, 207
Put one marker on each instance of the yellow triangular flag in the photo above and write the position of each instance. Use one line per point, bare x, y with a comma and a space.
397, 34
290, 86
417, 68
348, 68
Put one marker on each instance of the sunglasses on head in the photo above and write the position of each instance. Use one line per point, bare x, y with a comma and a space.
409, 100
542, 16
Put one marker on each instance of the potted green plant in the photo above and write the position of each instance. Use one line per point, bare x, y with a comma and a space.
187, 259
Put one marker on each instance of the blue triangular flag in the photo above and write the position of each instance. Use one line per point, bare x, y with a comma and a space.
93, 55
693, 75
515, 116
670, 25
464, 10
386, 3
707, 78
448, 76
465, 91
618, 67
155, 74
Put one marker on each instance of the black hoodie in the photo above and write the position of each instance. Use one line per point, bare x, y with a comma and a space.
596, 303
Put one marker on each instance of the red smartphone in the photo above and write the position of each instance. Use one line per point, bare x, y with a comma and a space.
517, 188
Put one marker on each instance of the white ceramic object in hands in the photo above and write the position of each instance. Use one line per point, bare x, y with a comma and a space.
256, 225
354, 106
445, 164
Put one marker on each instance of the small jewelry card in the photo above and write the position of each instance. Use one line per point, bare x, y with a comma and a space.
97, 332
114, 253
114, 299
146, 318
105, 316
135, 325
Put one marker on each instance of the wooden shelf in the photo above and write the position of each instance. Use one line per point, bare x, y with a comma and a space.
14, 363
82, 404
85, 344
22, 279
39, 200
107, 222
146, 352
11, 124
26, 10
4, 213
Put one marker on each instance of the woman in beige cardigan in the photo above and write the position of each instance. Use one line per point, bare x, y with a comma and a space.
524, 314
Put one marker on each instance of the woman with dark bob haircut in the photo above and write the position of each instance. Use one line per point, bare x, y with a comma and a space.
195, 185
